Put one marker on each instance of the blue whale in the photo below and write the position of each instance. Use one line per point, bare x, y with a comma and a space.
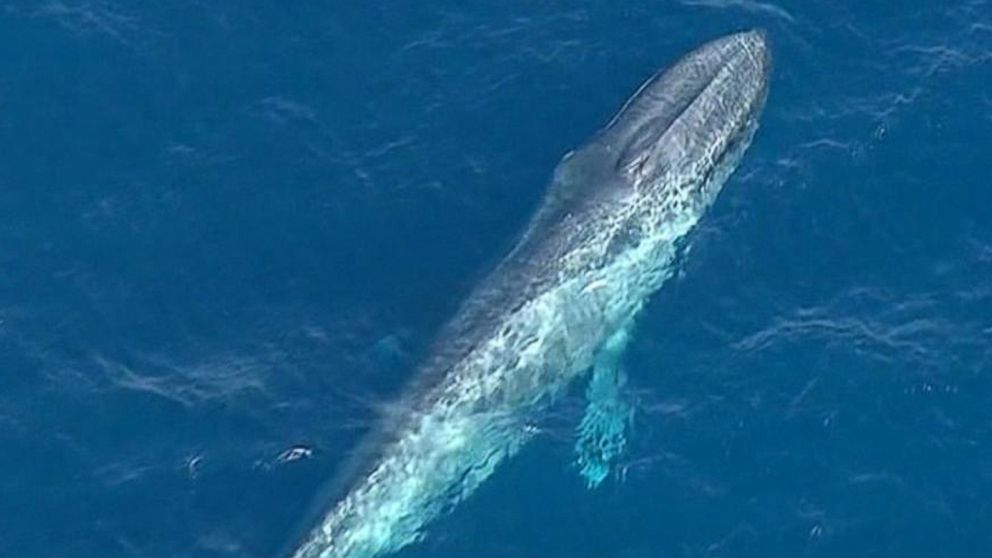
560, 304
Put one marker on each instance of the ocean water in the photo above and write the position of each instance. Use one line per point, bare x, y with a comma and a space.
230, 230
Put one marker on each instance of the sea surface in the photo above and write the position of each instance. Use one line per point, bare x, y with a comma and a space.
229, 231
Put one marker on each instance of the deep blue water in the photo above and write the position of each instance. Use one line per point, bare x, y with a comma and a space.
228, 229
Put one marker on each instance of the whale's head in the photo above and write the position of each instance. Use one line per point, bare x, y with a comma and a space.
692, 120
672, 144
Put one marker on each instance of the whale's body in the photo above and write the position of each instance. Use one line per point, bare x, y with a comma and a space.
602, 241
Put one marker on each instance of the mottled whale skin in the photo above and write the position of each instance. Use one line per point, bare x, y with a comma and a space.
602, 241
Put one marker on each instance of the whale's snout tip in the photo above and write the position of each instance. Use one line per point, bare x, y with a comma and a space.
754, 41
757, 37
755, 44
741, 52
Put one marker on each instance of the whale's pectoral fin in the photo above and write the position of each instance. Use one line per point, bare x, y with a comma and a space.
602, 432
